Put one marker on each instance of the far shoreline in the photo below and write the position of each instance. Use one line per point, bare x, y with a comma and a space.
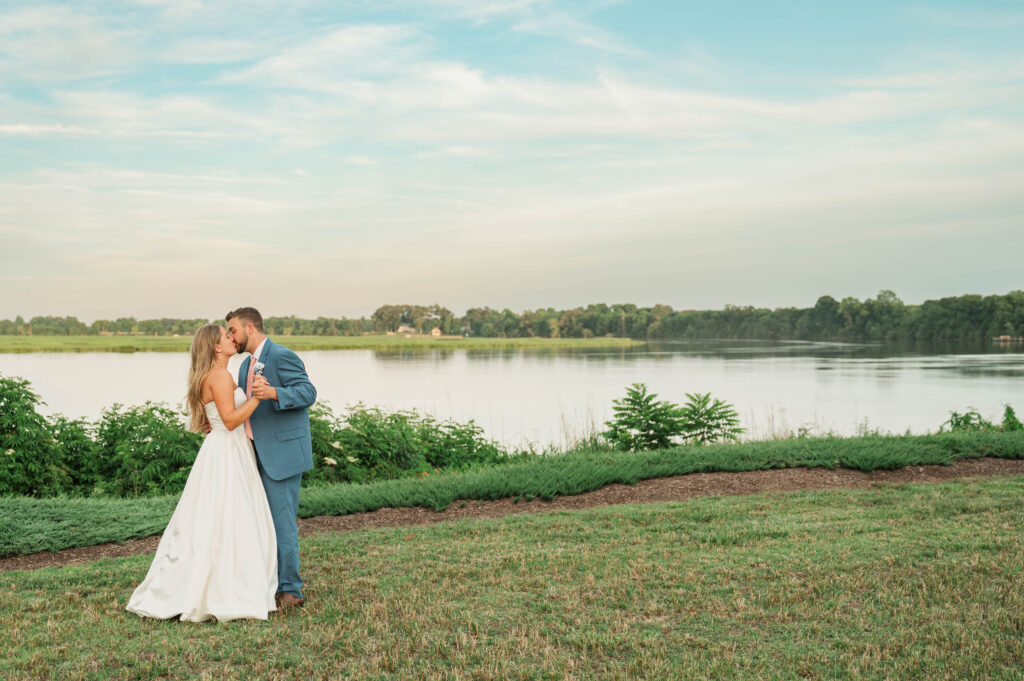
133, 343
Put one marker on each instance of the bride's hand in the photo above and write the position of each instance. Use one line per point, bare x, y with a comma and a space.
258, 381
262, 388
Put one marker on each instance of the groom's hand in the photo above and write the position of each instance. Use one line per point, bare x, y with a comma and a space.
263, 390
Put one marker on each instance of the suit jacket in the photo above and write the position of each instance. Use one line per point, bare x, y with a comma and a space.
280, 427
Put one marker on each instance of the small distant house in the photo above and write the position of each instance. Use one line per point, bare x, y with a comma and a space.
405, 328
436, 332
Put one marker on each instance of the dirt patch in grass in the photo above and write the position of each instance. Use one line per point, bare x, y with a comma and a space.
677, 488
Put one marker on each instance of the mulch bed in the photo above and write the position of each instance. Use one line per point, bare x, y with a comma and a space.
678, 488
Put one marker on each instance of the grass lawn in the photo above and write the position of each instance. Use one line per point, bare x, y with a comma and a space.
901, 582
299, 343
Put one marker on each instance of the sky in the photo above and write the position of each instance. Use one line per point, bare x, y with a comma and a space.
181, 158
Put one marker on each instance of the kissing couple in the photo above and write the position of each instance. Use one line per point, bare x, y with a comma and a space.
231, 548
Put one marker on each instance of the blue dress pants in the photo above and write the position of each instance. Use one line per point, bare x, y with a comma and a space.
283, 497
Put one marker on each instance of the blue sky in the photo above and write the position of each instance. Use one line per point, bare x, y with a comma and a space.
324, 158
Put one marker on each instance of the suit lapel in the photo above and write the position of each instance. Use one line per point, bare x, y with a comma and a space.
265, 355
243, 371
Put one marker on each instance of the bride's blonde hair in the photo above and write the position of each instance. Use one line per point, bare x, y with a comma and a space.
203, 353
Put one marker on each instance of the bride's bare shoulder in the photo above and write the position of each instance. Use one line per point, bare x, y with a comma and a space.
219, 378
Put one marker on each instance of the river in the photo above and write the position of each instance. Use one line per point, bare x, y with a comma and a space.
554, 397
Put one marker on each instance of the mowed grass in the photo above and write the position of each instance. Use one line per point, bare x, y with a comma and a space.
299, 343
899, 582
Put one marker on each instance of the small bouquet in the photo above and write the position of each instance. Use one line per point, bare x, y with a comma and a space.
257, 369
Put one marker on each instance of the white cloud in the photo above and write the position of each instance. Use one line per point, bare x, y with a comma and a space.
461, 151
563, 26
213, 51
553, 20
55, 43
31, 130
330, 61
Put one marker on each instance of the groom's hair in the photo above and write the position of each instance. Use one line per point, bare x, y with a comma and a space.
249, 315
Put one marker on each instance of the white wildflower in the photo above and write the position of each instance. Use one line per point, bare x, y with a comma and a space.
329, 461
9, 452
351, 459
336, 445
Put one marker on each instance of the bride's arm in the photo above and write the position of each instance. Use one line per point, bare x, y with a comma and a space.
223, 389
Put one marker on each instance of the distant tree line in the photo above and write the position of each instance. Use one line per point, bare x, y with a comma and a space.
885, 317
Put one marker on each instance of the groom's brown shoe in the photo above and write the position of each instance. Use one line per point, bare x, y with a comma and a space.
287, 601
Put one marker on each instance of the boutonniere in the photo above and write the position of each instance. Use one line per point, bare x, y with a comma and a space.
257, 369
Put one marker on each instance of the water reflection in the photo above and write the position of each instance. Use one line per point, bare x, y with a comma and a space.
726, 349
405, 354
750, 349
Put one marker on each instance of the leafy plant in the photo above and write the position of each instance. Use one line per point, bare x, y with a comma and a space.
385, 443
77, 451
143, 450
457, 446
29, 458
1010, 421
372, 444
331, 463
705, 421
967, 422
642, 422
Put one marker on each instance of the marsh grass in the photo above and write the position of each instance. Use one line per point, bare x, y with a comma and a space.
129, 344
29, 525
898, 582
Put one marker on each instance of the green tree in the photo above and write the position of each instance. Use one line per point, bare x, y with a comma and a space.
705, 421
642, 422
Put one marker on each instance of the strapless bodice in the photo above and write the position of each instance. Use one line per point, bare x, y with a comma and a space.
214, 416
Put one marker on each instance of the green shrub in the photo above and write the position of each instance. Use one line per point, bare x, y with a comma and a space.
641, 422
457, 446
1011, 424
330, 463
385, 444
77, 452
147, 450
705, 421
971, 421
30, 462
142, 451
371, 444
967, 422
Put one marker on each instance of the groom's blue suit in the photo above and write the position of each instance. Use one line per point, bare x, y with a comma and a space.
284, 450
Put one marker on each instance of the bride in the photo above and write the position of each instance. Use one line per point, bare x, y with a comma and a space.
218, 556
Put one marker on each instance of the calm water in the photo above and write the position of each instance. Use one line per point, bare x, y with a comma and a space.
551, 397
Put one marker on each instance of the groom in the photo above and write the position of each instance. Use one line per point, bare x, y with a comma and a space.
279, 430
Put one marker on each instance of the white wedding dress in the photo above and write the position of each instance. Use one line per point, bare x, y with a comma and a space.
218, 556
